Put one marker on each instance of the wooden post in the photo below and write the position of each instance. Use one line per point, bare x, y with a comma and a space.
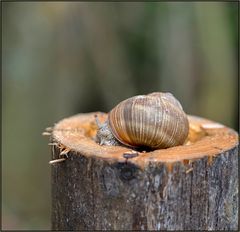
189, 187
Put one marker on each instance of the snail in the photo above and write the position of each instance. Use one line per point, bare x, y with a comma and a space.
155, 121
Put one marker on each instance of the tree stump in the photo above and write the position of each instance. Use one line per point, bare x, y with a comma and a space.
188, 187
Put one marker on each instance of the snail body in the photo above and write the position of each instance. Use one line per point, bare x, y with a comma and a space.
156, 121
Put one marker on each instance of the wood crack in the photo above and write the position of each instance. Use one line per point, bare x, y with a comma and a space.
190, 203
92, 193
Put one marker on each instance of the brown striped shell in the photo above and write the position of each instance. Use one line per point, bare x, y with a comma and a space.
156, 120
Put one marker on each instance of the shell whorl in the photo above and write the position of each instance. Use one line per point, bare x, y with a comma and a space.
155, 120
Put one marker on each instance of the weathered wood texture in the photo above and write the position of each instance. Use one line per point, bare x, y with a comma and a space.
190, 187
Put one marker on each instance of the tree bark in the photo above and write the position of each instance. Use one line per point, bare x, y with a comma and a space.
188, 187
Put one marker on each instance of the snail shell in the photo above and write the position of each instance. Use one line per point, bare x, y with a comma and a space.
156, 120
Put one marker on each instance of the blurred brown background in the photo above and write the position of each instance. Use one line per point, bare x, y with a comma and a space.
60, 59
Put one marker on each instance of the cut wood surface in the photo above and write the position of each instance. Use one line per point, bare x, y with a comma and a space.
193, 186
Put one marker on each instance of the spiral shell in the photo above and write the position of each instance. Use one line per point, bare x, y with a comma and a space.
156, 120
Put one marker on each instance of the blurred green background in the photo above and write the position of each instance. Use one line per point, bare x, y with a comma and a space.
60, 59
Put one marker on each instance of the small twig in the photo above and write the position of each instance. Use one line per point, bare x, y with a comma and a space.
57, 161
46, 133
64, 153
53, 144
49, 129
189, 170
